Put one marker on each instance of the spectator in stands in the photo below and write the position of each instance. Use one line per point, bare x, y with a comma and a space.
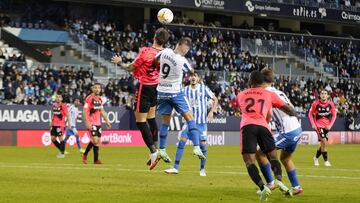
347, 3
20, 95
47, 52
4, 20
29, 93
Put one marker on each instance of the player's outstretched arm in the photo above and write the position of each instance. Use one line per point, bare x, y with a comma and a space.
118, 61
104, 115
289, 110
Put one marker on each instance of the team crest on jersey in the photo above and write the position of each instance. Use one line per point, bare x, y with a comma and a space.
96, 102
57, 110
96, 106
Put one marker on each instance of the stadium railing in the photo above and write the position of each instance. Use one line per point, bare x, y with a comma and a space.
54, 66
226, 77
96, 52
282, 49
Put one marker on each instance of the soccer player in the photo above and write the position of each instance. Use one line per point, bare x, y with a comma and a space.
173, 64
255, 104
74, 115
59, 112
324, 112
198, 95
92, 111
146, 70
288, 133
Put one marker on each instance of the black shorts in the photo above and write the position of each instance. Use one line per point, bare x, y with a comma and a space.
253, 135
56, 131
322, 133
145, 97
95, 131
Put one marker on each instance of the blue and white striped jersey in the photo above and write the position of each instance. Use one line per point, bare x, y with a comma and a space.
198, 98
74, 113
283, 122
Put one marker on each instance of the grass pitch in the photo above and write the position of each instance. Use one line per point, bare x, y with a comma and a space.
36, 175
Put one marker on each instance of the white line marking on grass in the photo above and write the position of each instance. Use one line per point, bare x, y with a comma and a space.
49, 167
156, 171
210, 166
301, 168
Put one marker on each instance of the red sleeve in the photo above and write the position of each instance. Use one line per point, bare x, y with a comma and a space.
276, 100
87, 103
65, 110
237, 100
311, 113
139, 60
333, 112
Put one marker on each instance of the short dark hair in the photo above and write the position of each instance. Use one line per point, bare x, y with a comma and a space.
75, 98
325, 90
96, 83
161, 36
185, 40
256, 78
59, 93
194, 73
268, 75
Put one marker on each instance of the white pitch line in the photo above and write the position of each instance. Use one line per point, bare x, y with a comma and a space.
49, 167
301, 168
156, 171
211, 166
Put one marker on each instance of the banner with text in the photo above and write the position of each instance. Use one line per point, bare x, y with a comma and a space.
14, 117
23, 117
231, 138
108, 138
134, 138
261, 7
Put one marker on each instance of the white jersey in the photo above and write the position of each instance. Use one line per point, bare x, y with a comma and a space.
172, 68
198, 98
73, 113
283, 122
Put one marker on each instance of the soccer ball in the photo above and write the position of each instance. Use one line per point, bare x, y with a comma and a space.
165, 16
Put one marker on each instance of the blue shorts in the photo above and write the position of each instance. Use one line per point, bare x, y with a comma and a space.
288, 141
72, 131
202, 129
169, 101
